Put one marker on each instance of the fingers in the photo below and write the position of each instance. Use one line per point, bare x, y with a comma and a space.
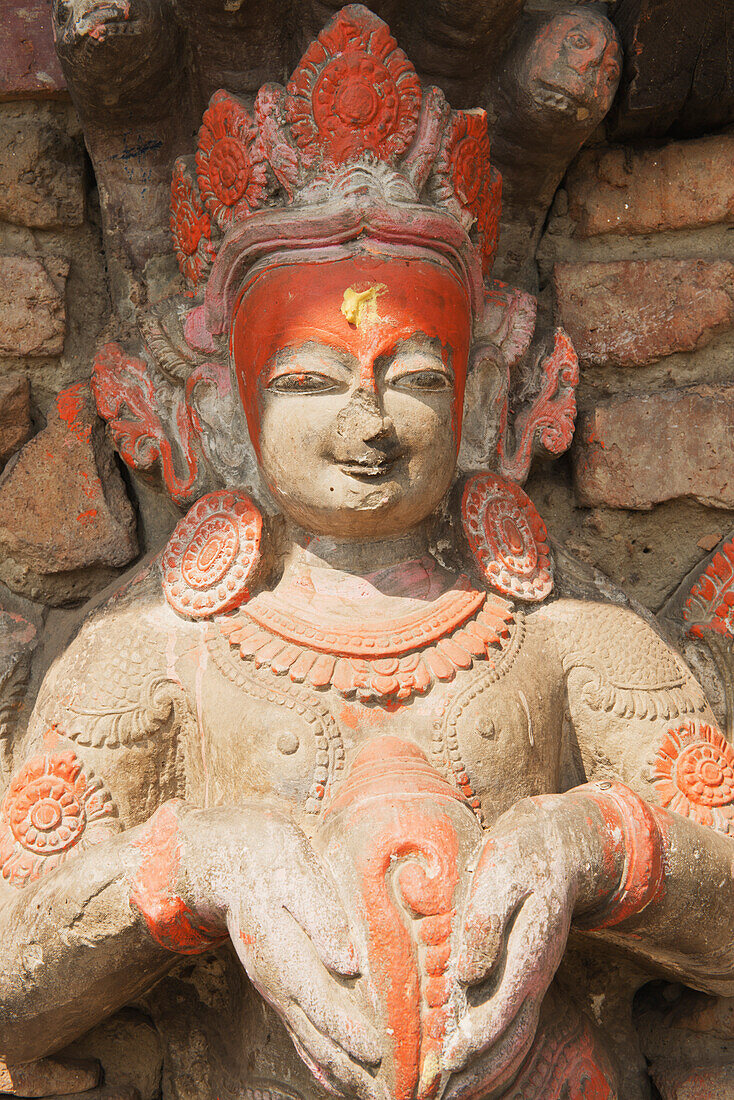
489, 910
329, 1065
534, 950
492, 1072
313, 902
285, 968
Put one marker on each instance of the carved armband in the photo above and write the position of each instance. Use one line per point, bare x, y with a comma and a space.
633, 834
170, 921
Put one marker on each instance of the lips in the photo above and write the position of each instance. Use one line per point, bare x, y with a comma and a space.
369, 468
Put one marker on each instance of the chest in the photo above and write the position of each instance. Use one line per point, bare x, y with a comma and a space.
495, 729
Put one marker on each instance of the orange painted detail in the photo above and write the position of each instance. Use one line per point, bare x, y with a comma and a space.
507, 537
566, 1062
382, 664
694, 775
462, 168
710, 605
551, 419
294, 304
230, 160
70, 404
52, 807
354, 92
190, 227
407, 860
632, 831
212, 555
170, 922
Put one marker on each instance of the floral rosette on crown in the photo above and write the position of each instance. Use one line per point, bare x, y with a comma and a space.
230, 161
191, 226
354, 92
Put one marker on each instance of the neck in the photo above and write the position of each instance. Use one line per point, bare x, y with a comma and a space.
348, 556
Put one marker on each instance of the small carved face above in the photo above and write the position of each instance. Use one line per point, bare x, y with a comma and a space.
351, 373
573, 66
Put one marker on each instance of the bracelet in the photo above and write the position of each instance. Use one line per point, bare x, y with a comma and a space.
633, 830
170, 922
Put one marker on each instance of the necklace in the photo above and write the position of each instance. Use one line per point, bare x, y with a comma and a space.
375, 662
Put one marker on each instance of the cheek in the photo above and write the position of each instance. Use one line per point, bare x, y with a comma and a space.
424, 425
293, 431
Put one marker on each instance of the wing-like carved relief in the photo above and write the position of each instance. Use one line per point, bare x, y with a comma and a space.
119, 697
632, 672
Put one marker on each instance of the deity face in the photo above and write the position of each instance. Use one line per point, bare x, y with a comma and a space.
352, 376
574, 65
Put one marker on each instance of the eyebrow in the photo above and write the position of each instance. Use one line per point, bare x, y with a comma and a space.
285, 361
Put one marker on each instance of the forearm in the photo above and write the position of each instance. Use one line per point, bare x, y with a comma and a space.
658, 884
90, 936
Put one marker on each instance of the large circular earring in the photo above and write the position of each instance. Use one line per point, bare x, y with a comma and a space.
214, 555
507, 537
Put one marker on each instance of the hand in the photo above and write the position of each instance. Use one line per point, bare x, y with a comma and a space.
532, 870
259, 873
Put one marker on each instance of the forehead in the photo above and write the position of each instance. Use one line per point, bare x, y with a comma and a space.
359, 304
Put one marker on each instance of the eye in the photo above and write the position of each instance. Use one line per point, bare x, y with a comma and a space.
302, 382
427, 381
580, 41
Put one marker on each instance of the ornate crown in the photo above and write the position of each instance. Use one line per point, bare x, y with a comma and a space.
352, 121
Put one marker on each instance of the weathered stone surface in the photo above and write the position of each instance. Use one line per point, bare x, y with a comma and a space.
106, 1092
28, 62
32, 306
681, 185
630, 313
679, 68
63, 506
129, 1050
41, 170
15, 414
634, 452
49, 1075
695, 1084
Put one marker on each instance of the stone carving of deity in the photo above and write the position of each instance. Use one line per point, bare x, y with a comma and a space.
356, 785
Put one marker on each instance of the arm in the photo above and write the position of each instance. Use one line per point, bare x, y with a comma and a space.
99, 899
605, 855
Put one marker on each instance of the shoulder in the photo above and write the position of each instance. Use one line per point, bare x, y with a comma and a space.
117, 682
625, 665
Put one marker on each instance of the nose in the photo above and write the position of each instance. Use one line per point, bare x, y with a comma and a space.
363, 420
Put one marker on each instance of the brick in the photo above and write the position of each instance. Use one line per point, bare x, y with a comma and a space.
41, 169
635, 452
48, 1076
29, 66
32, 305
709, 1082
63, 505
684, 185
106, 1092
631, 313
15, 414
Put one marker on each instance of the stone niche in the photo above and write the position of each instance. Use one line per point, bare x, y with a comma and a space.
472, 868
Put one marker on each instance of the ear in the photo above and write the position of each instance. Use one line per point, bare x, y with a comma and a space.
502, 336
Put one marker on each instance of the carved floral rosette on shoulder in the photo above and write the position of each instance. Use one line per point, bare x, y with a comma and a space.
351, 146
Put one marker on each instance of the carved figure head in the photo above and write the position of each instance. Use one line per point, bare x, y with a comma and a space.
336, 244
573, 65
